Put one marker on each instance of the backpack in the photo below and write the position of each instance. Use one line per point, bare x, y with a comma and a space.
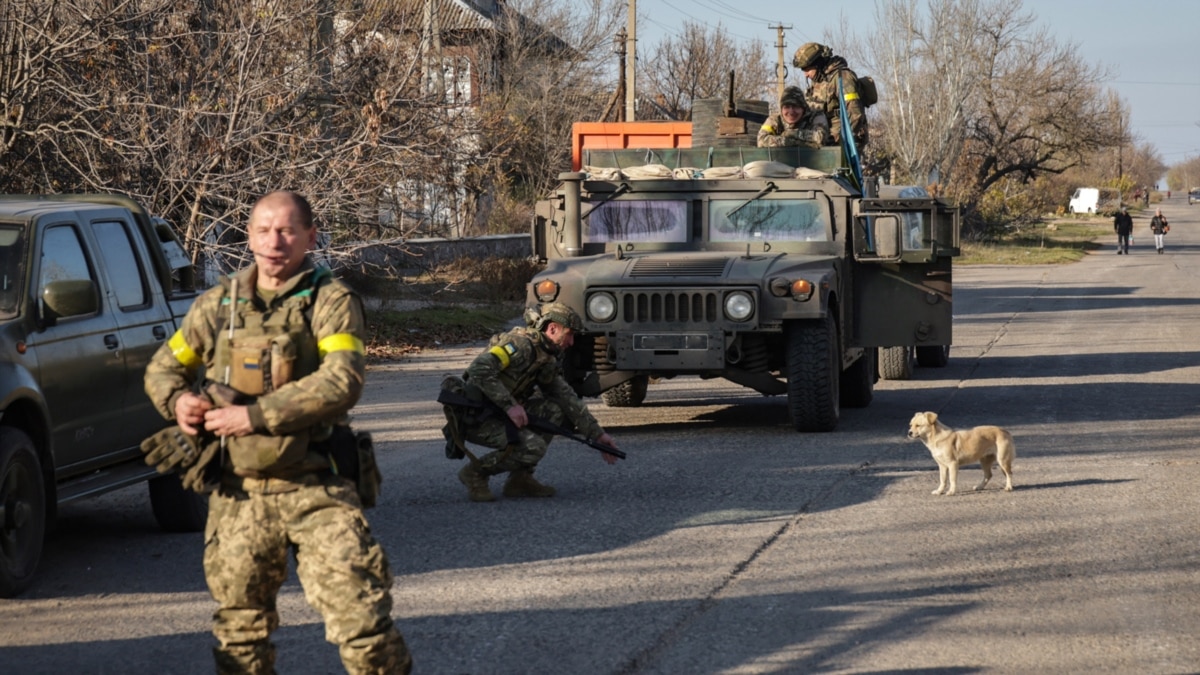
867, 93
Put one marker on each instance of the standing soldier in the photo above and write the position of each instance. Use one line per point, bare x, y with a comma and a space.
502, 381
824, 70
287, 340
796, 123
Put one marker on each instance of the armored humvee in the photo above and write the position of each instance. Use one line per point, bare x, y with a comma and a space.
764, 266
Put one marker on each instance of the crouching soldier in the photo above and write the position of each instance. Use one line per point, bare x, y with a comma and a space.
513, 387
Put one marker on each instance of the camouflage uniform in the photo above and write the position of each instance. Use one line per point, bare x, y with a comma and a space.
260, 512
823, 94
522, 367
812, 131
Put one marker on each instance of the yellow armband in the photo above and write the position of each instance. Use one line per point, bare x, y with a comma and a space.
503, 354
340, 342
184, 354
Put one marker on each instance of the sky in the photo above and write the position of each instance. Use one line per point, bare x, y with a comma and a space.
1151, 47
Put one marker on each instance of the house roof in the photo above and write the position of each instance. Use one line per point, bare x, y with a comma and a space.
483, 15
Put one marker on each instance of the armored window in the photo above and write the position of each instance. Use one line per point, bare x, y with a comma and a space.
658, 221
736, 220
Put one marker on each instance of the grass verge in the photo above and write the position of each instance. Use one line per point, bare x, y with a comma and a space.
1057, 241
392, 334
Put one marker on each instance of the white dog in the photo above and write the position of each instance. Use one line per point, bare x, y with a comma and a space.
951, 449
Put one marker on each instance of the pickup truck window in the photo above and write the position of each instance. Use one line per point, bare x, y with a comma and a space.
736, 220
12, 272
62, 256
124, 267
660, 221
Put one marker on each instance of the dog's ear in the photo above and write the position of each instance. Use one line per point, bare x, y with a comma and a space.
931, 417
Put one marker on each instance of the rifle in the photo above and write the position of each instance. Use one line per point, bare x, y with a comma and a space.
446, 397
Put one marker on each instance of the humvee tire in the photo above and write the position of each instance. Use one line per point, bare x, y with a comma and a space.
22, 511
933, 356
629, 394
813, 374
895, 363
858, 382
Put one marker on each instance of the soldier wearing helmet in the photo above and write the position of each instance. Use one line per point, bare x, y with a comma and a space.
519, 375
796, 123
824, 70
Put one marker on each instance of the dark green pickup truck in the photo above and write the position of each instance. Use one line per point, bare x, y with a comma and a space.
90, 286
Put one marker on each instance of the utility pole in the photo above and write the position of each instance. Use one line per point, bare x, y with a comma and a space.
615, 102
631, 61
780, 67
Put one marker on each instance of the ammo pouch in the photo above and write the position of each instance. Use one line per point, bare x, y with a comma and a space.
255, 454
352, 456
261, 364
456, 417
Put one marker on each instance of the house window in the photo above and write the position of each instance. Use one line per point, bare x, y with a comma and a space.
456, 71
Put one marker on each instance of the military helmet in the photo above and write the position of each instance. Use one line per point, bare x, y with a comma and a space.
793, 95
810, 54
560, 314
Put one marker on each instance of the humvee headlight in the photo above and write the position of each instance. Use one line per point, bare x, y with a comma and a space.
546, 290
739, 306
601, 307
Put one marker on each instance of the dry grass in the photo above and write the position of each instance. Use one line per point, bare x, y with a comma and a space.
1057, 241
463, 301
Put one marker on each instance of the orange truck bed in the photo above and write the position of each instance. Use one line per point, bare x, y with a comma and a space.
624, 135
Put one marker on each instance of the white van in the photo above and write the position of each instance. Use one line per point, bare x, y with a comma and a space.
1094, 200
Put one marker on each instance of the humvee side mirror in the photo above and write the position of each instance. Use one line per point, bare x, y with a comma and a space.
878, 238
64, 299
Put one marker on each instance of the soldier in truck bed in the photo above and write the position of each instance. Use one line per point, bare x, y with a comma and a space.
795, 124
824, 69
518, 376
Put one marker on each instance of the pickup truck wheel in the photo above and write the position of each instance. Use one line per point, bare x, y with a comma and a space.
933, 356
813, 374
629, 394
176, 508
895, 363
858, 381
22, 511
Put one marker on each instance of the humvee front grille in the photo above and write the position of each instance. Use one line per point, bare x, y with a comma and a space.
670, 307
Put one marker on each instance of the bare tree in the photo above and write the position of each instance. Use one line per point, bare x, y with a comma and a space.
975, 94
550, 70
696, 65
198, 108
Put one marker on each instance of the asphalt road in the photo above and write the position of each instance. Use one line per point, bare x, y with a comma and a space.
728, 543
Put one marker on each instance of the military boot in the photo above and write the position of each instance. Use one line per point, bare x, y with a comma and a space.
477, 484
521, 483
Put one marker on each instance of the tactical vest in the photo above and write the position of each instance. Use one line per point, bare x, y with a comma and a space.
542, 369
257, 352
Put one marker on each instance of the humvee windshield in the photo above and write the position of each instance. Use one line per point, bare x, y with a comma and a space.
736, 220
661, 221
11, 272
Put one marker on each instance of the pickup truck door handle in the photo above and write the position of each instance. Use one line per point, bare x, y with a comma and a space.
160, 333
110, 341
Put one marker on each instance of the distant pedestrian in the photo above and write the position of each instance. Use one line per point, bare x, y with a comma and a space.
1123, 226
1159, 226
